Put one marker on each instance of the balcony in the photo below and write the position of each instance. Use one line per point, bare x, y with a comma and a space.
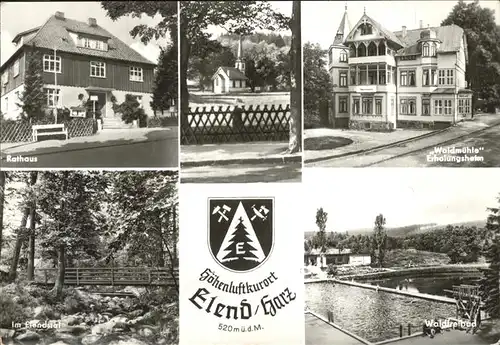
388, 59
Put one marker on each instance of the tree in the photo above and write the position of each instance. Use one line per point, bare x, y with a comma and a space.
295, 142
70, 204
380, 239
2, 202
483, 48
203, 65
147, 228
33, 99
165, 83
237, 251
491, 281
318, 86
321, 219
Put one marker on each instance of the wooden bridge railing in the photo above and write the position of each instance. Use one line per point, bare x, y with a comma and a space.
111, 276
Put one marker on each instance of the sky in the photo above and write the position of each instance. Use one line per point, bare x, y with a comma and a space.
354, 197
321, 19
36, 13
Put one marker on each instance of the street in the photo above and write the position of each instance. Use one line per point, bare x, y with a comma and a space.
488, 143
481, 145
159, 150
242, 173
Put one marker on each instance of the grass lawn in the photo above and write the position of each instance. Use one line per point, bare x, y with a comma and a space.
325, 143
200, 99
405, 257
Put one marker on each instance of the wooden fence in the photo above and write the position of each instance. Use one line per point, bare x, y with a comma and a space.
143, 276
235, 124
20, 131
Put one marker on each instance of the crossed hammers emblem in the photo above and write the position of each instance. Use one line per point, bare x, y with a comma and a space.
222, 210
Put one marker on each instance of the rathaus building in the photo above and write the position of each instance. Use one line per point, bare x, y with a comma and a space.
404, 79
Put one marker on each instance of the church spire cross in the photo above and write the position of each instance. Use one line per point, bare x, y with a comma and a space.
364, 9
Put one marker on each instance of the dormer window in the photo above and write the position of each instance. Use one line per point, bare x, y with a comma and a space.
365, 29
92, 43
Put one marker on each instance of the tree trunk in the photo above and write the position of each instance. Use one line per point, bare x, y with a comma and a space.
184, 61
175, 239
31, 256
61, 269
2, 199
295, 141
21, 235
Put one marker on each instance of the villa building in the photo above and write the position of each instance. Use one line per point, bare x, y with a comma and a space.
81, 61
231, 79
410, 78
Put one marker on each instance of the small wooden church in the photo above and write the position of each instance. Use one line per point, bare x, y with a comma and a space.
231, 79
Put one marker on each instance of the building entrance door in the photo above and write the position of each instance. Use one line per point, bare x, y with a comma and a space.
100, 104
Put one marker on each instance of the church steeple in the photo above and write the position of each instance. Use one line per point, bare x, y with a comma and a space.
343, 30
240, 65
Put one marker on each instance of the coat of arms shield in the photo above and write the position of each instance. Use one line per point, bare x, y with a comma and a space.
241, 232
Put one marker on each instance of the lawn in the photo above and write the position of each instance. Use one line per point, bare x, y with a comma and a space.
405, 257
205, 99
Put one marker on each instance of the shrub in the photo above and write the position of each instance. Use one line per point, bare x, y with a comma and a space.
131, 110
10, 311
162, 121
332, 270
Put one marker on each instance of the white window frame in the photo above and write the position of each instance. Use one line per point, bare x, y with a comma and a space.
450, 77
96, 66
16, 68
438, 107
343, 78
426, 103
356, 105
6, 106
425, 49
343, 56
448, 107
49, 59
136, 74
53, 96
378, 103
343, 101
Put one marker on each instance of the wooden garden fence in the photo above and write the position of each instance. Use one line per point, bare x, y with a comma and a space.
20, 131
235, 124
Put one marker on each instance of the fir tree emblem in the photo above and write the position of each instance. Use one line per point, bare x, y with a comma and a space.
238, 241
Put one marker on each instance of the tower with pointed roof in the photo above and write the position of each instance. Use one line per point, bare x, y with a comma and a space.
338, 56
240, 64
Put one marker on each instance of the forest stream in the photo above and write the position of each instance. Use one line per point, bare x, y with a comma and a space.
85, 318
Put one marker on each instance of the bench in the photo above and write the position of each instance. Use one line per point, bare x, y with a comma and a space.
54, 129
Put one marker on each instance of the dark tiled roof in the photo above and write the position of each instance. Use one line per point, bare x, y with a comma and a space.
24, 33
233, 73
450, 36
343, 30
55, 34
389, 34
